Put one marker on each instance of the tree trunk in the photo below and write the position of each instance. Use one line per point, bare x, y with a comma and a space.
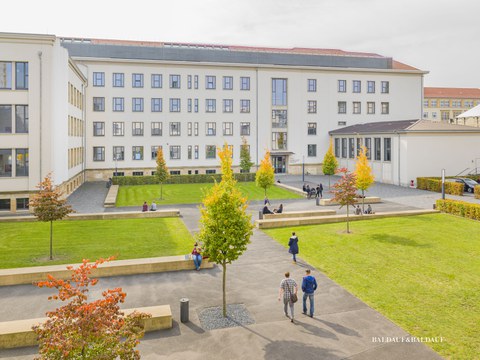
328, 182
51, 240
161, 191
348, 224
363, 201
224, 265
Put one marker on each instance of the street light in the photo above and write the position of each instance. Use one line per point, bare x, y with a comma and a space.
303, 168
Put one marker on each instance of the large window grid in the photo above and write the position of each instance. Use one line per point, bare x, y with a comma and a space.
175, 81
227, 128
385, 87
351, 148
245, 128
244, 106
156, 80
156, 128
342, 107
137, 128
137, 80
98, 79
118, 129
175, 152
227, 105
137, 152
371, 87
312, 129
98, 104
210, 82
312, 106
312, 150
279, 92
244, 83
377, 143
5, 75
118, 80
357, 86
174, 129
210, 151
279, 118
21, 119
210, 105
312, 85
21, 75
227, 83
98, 153
157, 105
118, 153
98, 128
342, 86
118, 104
210, 129
21, 163
174, 105
279, 141
137, 104
387, 149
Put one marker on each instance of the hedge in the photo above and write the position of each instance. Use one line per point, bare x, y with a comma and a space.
179, 179
435, 184
476, 192
460, 208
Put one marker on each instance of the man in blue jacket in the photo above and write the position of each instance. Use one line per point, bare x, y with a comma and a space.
309, 285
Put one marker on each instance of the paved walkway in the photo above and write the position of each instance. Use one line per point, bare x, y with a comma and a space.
342, 328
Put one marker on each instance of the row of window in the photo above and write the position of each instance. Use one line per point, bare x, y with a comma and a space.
7, 168
75, 126
444, 115
10, 112
175, 81
19, 77
22, 204
75, 97
156, 128
118, 105
350, 148
450, 103
357, 107
357, 86
75, 157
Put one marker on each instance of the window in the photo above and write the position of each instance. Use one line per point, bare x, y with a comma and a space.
385, 87
210, 82
174, 129
118, 104
189, 105
337, 147
387, 149
244, 106
189, 129
137, 80
196, 155
174, 81
137, 128
444, 103
4, 204
342, 107
98, 128
98, 79
444, 115
21, 75
137, 173
425, 114
137, 104
244, 83
228, 128
154, 151
21, 119
21, 164
174, 105
118, 80
195, 81
312, 85
22, 204
195, 105
156, 81
279, 118
195, 129
210, 105
370, 107
210, 151
189, 152
434, 114
174, 152
137, 152
312, 150
189, 81
210, 129
351, 148
342, 123
279, 141
425, 103
357, 86
245, 128
156, 128
98, 153
118, 129
157, 105
371, 87
210, 171
342, 86
368, 146
5, 75
359, 145
312, 106
227, 105
377, 149
385, 107
357, 107
98, 104
227, 83
5, 162
344, 148
433, 103
174, 172
118, 153
279, 92
312, 128
6, 119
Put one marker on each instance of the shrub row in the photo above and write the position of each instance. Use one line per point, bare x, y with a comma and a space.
435, 184
179, 179
476, 193
460, 208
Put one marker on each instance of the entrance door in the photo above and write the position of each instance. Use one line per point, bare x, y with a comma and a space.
279, 164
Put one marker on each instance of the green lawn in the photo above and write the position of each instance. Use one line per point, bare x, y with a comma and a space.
421, 272
27, 243
135, 195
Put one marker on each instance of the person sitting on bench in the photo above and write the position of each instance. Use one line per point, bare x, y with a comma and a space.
266, 210
279, 210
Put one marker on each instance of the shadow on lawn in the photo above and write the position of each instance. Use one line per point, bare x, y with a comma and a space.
397, 240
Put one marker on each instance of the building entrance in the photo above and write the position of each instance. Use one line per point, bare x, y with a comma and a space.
279, 164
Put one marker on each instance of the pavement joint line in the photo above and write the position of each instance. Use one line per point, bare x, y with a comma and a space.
381, 345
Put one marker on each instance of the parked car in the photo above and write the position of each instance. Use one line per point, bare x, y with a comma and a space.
468, 184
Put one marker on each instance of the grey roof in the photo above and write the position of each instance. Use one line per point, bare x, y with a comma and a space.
139, 52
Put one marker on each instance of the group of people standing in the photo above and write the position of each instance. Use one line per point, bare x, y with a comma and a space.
313, 191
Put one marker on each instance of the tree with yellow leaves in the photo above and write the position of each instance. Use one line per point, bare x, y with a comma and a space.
265, 175
363, 174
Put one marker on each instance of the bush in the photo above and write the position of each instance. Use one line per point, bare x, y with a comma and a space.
435, 184
179, 179
476, 192
460, 208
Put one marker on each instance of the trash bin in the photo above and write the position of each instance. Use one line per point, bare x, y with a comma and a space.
184, 310
260, 214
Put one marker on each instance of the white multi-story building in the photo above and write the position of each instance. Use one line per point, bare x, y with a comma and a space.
190, 99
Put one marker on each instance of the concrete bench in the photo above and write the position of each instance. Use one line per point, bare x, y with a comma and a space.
111, 198
297, 214
19, 333
30, 275
368, 200
314, 220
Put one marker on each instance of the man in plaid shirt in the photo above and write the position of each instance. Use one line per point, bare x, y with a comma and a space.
287, 288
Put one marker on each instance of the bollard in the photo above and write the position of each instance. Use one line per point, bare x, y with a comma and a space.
260, 214
184, 310
318, 201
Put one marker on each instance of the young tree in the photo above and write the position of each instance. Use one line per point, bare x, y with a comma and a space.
265, 175
225, 225
245, 160
88, 330
363, 173
345, 191
330, 163
161, 172
49, 206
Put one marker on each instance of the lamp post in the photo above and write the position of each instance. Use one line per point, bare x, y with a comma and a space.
303, 168
116, 169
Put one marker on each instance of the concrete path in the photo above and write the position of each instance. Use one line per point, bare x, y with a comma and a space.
343, 326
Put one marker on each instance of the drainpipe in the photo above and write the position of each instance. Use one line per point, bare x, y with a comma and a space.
256, 115
398, 150
40, 116
84, 136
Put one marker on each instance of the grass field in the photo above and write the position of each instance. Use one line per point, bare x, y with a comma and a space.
421, 272
135, 195
27, 243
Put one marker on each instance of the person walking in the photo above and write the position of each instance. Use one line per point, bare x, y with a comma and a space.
320, 190
288, 291
309, 285
293, 246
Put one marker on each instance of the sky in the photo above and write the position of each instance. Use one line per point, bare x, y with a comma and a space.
438, 36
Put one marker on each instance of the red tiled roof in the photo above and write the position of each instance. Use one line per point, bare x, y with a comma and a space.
460, 93
397, 65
